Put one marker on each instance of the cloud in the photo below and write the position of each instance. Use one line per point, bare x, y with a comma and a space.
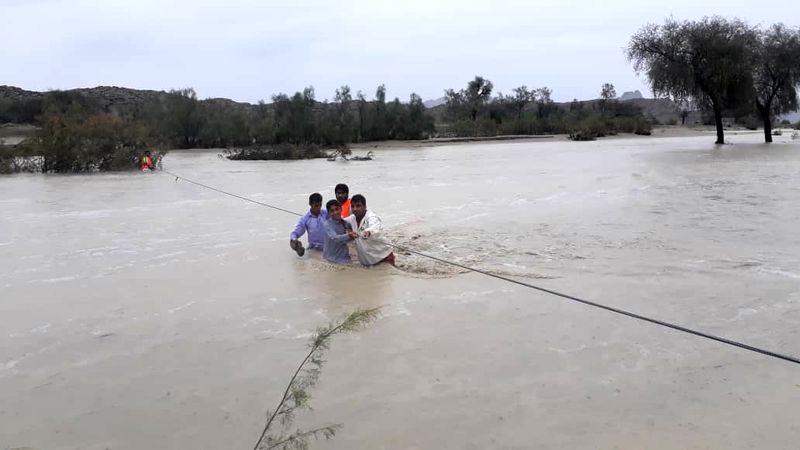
248, 50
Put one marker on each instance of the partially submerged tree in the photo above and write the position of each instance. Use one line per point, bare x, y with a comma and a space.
776, 74
707, 61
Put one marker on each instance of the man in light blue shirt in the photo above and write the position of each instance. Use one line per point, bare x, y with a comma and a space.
337, 233
312, 222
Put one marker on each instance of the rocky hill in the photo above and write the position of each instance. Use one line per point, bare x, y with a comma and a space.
108, 98
113, 98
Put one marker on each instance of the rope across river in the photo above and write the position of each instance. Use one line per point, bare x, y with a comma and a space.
731, 342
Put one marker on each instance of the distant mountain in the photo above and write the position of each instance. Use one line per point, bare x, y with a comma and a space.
108, 97
631, 96
434, 103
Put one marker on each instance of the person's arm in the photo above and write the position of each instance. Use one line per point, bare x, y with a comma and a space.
335, 237
373, 228
299, 229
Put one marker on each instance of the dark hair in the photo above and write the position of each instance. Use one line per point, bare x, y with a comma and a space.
332, 203
358, 198
316, 197
341, 187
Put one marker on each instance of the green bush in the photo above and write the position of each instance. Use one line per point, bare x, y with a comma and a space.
72, 143
278, 152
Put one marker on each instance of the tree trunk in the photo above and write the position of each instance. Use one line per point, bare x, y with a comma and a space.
767, 129
718, 122
763, 111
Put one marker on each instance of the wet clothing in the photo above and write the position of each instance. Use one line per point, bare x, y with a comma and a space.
336, 240
389, 259
315, 226
371, 250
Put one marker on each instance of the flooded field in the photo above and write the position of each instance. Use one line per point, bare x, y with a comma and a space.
141, 312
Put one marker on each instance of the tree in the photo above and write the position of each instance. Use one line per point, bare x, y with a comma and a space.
362, 116
522, 96
183, 121
607, 93
380, 130
543, 101
418, 124
455, 102
776, 74
708, 61
345, 114
477, 95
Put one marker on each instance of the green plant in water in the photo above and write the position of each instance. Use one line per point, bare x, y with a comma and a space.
296, 396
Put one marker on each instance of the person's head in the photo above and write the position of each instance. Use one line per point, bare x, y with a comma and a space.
147, 152
334, 209
342, 192
358, 206
315, 202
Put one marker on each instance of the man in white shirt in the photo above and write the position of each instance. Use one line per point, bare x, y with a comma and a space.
367, 225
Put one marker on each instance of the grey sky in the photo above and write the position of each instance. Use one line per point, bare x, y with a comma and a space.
248, 49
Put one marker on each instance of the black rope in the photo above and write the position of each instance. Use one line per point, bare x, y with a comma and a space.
623, 312
178, 177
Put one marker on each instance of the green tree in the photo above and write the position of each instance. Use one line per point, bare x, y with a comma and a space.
477, 95
607, 93
544, 102
522, 97
183, 120
345, 117
776, 74
418, 124
455, 103
708, 61
380, 125
363, 105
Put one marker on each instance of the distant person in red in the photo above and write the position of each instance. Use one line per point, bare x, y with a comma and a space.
147, 161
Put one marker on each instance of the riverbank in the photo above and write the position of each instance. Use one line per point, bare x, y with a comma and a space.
657, 132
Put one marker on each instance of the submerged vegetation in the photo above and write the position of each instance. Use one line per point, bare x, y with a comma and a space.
108, 128
297, 394
727, 67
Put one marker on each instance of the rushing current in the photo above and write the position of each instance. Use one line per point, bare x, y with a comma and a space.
141, 312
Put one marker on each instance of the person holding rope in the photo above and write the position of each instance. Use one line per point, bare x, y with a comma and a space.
312, 222
338, 232
368, 227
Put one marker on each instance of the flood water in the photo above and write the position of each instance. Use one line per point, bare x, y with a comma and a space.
141, 312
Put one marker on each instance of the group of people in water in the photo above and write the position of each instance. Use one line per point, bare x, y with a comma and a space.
343, 220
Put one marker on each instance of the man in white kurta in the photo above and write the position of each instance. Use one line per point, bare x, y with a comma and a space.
367, 225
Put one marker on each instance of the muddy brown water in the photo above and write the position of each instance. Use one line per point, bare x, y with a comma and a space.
140, 312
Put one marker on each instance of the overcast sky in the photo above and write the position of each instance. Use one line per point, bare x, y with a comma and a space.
250, 49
